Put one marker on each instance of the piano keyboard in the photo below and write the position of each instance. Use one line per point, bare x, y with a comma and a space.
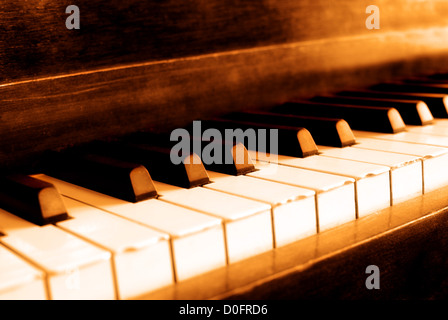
106, 235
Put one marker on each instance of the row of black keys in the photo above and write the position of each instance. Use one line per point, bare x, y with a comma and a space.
124, 169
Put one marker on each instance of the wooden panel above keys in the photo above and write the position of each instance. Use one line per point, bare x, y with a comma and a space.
64, 87
117, 33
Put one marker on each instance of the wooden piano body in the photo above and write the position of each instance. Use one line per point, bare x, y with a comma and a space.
157, 65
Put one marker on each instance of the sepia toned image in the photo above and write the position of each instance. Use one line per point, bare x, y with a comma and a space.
264, 150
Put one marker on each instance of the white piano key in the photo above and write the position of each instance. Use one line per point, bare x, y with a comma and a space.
405, 170
74, 268
141, 256
440, 122
292, 208
19, 280
434, 159
247, 223
197, 240
429, 129
369, 178
410, 137
335, 195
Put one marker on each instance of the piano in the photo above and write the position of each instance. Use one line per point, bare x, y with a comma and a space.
92, 207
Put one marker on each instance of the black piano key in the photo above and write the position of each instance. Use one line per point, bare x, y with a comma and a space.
216, 154
266, 138
411, 87
34, 200
325, 131
188, 172
376, 119
436, 102
120, 179
239, 161
413, 112
425, 80
439, 76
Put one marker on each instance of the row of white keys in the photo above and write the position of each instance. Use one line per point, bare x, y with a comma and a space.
141, 257
435, 175
196, 239
370, 179
197, 211
247, 223
74, 268
434, 159
19, 280
293, 209
334, 195
406, 178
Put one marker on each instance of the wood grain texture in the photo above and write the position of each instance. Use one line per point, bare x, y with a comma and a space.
60, 111
153, 65
34, 41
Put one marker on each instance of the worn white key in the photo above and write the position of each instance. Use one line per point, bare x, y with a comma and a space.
74, 268
141, 256
197, 240
405, 170
335, 195
410, 137
292, 208
429, 129
247, 223
434, 159
19, 280
369, 178
440, 122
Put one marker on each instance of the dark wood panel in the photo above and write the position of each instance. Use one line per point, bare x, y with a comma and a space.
138, 65
59, 111
34, 41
